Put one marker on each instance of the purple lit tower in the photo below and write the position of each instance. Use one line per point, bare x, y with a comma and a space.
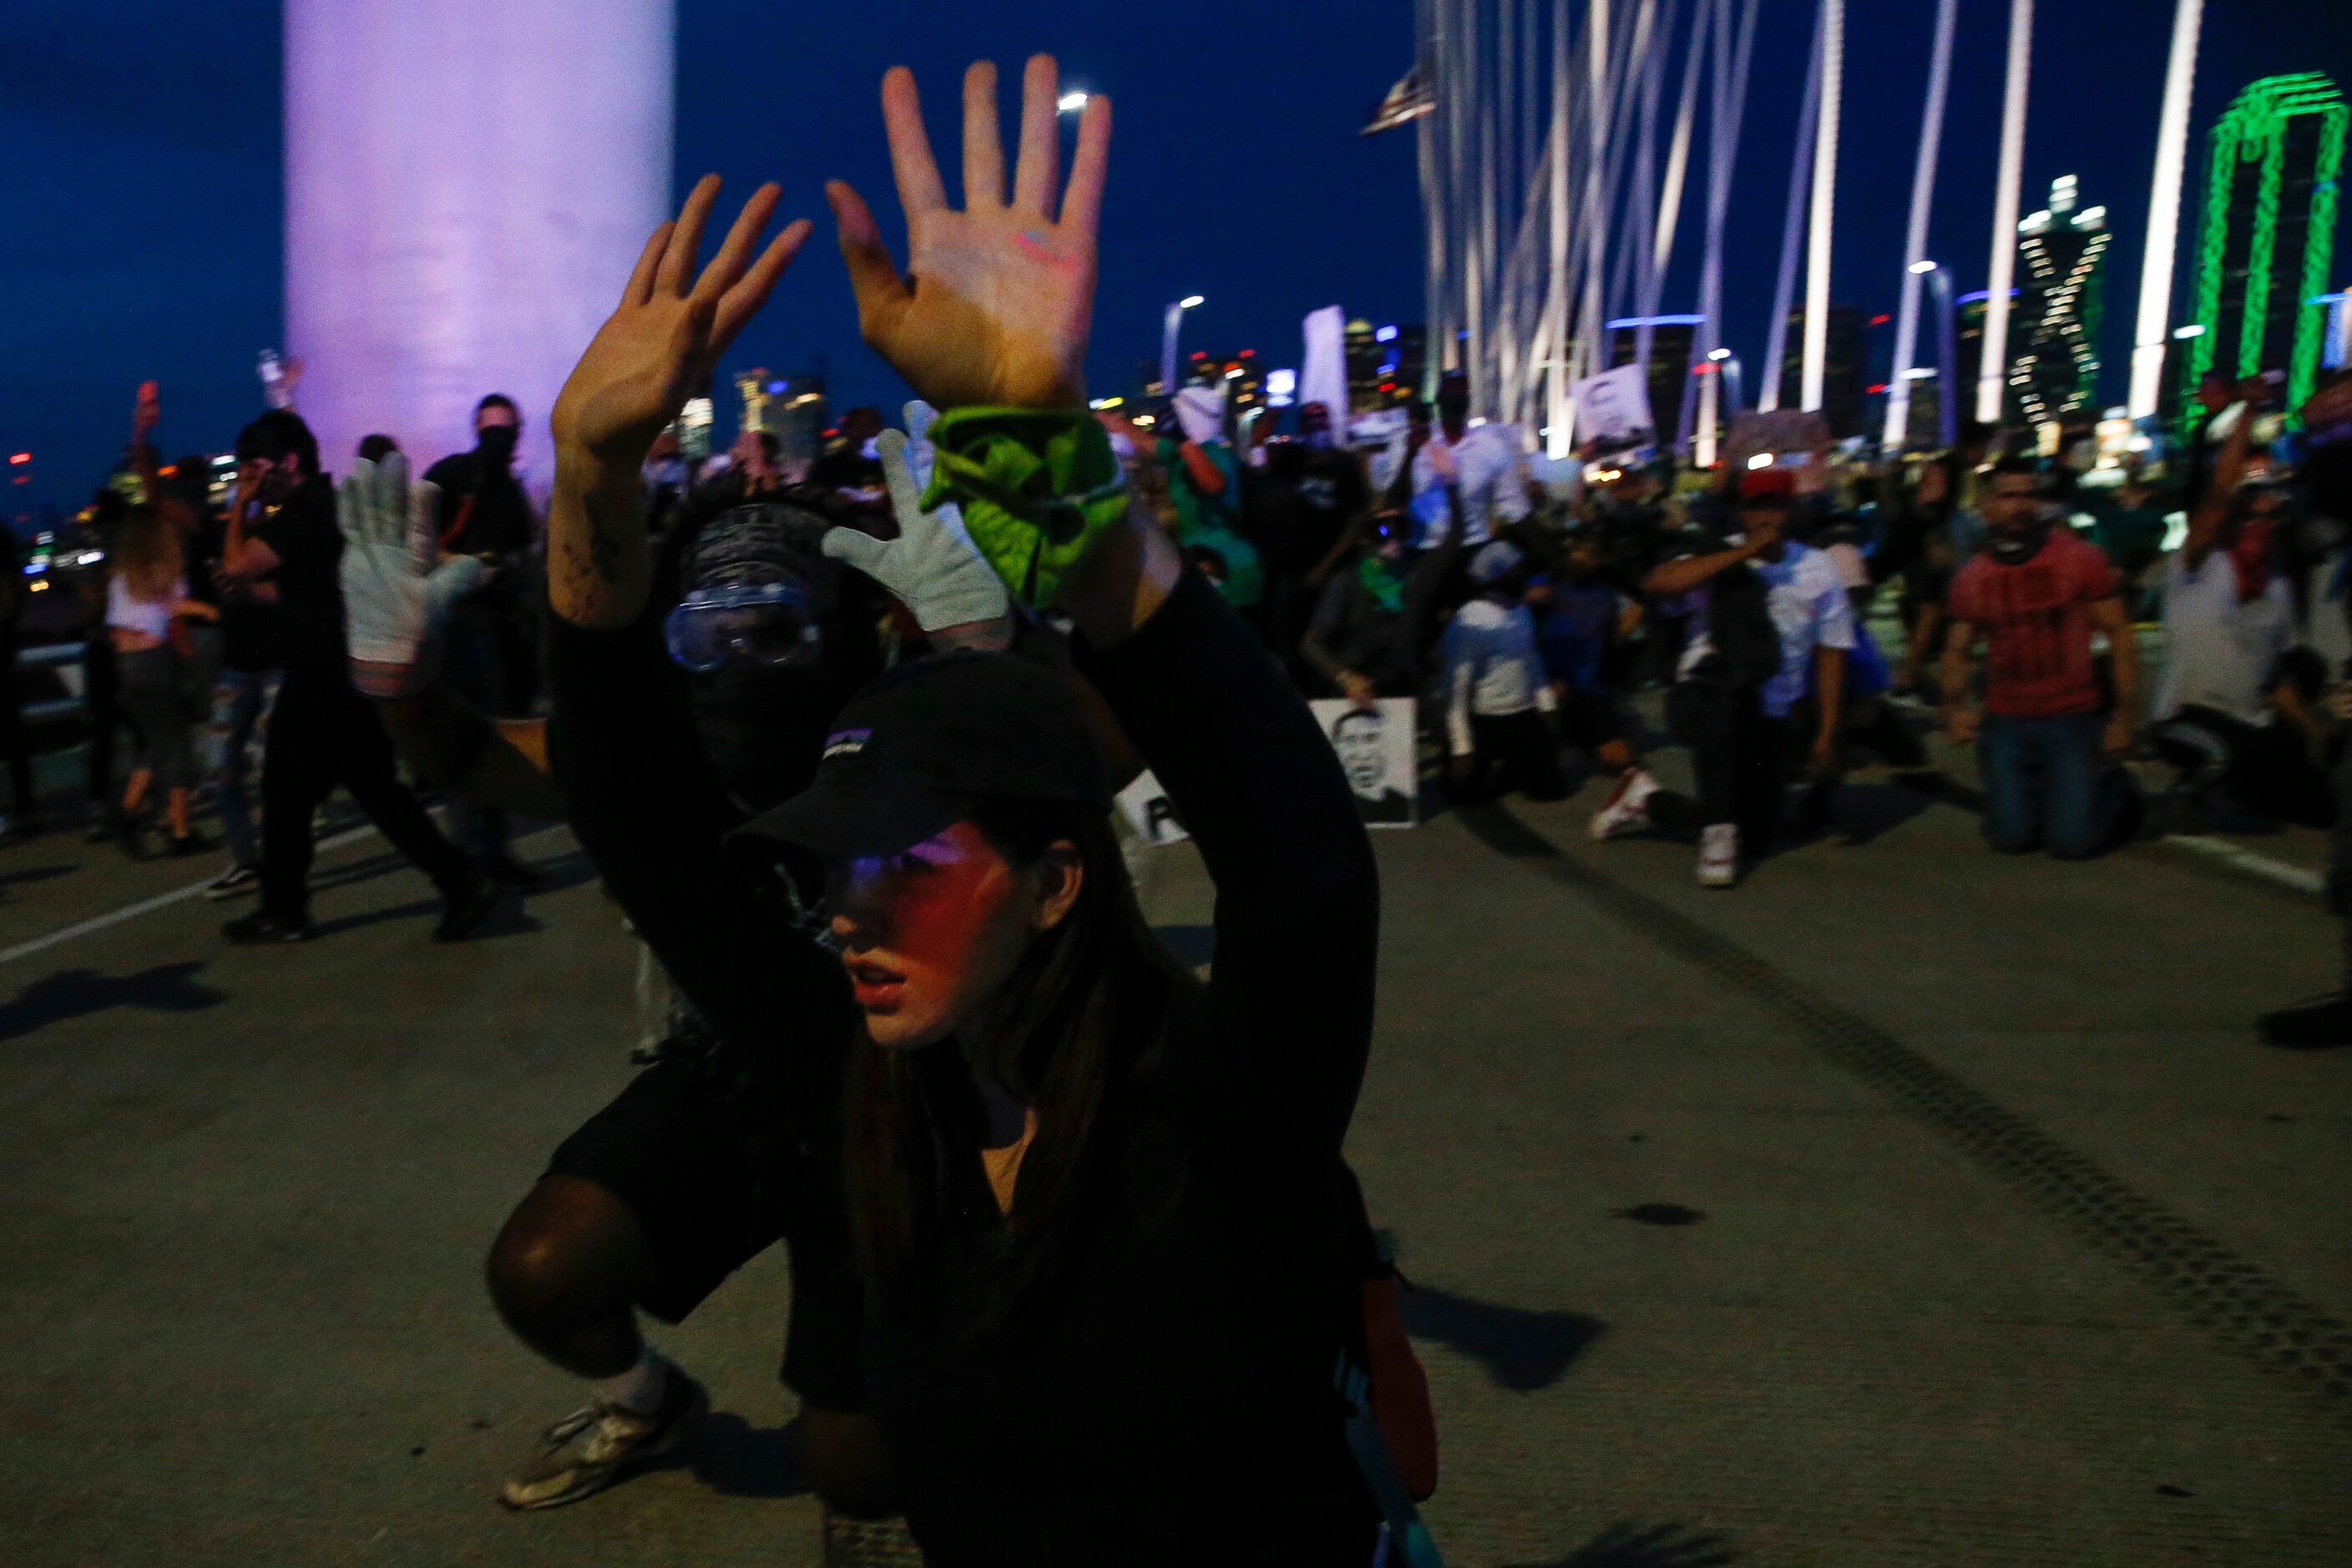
467, 184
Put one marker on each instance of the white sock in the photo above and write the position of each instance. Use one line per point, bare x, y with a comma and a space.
640, 1388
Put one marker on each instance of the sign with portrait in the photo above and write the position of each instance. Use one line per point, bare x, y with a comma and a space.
1612, 408
1375, 743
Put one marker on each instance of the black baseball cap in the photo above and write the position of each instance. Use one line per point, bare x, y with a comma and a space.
916, 751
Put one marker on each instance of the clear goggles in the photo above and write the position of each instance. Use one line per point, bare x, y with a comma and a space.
769, 624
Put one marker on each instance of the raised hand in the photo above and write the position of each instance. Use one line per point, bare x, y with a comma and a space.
397, 590
670, 328
930, 567
998, 298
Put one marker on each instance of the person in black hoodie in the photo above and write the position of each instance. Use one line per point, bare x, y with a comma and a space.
1111, 1248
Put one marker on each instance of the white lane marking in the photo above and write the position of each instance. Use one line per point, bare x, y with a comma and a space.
181, 895
2268, 867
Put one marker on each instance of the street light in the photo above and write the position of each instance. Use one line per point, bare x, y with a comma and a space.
1921, 268
1071, 102
1947, 359
1170, 326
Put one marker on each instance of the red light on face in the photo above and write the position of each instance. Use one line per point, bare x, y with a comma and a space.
20, 456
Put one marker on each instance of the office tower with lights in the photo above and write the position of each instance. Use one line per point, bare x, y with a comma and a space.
1845, 363
2267, 234
1384, 364
2062, 252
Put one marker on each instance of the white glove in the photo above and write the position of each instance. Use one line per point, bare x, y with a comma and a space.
396, 588
931, 566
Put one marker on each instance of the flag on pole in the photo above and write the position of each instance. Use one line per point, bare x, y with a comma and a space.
1408, 100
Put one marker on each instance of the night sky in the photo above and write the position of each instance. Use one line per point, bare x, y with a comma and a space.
141, 181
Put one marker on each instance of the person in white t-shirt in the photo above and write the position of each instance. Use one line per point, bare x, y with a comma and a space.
1764, 611
1478, 461
1498, 705
2236, 705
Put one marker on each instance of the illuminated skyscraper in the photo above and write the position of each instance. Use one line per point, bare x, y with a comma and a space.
2060, 251
2268, 230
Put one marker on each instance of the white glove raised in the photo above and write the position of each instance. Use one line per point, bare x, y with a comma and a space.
931, 566
396, 588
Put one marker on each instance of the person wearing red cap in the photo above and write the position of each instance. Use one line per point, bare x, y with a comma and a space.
1762, 614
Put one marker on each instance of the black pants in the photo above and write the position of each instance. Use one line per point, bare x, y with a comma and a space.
14, 743
1739, 757
321, 736
1517, 751
2265, 769
102, 696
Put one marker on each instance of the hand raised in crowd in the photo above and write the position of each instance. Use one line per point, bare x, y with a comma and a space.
998, 298
671, 327
397, 587
931, 568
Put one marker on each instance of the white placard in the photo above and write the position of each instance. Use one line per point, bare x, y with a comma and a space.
1375, 743
1614, 406
1145, 805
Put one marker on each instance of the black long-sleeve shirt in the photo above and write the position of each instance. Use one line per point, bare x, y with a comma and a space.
1177, 1405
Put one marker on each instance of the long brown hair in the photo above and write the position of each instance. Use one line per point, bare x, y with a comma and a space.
147, 555
1075, 1029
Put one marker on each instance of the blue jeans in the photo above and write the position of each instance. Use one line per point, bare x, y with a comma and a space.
2041, 783
248, 700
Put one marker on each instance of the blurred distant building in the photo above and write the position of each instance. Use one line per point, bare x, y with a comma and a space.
2268, 232
2060, 256
1846, 364
796, 411
1384, 364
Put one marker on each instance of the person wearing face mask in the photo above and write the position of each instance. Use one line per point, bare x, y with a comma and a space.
484, 513
2035, 597
322, 732
668, 734
1305, 508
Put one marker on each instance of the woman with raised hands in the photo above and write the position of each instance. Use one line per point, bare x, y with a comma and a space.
1111, 1252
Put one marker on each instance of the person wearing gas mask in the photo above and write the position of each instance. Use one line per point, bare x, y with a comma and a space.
711, 707
2047, 738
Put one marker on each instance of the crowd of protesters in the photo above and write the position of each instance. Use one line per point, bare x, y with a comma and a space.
841, 743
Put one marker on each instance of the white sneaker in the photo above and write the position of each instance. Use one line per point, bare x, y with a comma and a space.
1627, 810
1718, 856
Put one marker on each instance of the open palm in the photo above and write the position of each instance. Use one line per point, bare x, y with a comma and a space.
671, 327
999, 297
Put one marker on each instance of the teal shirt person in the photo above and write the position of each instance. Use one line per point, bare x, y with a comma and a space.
1210, 521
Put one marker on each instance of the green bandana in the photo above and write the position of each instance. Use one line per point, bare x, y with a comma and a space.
1037, 488
1385, 586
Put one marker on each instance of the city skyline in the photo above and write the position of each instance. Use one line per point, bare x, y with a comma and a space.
118, 294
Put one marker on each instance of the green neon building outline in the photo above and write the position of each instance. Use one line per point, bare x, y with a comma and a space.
2255, 127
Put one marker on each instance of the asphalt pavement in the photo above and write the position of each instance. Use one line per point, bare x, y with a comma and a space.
1905, 1206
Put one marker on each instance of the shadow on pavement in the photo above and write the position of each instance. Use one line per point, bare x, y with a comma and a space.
79, 993
735, 1459
1522, 1350
1625, 1545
